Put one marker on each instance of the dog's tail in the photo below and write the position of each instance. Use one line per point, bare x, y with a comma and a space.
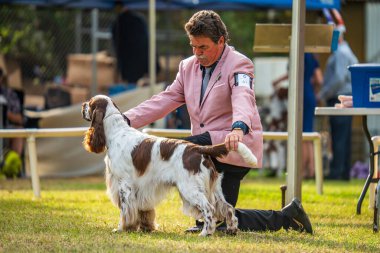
220, 150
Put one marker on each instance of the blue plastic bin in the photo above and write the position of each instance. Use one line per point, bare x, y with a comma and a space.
365, 79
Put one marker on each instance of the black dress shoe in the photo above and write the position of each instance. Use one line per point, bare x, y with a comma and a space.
220, 226
298, 218
194, 229
197, 228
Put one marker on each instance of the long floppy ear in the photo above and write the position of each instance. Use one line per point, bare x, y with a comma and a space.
95, 139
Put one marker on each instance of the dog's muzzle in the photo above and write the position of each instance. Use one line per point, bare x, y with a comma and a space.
86, 111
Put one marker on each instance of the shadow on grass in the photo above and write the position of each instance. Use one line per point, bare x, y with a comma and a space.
311, 240
83, 228
61, 184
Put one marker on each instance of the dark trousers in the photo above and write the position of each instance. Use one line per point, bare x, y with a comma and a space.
249, 219
340, 129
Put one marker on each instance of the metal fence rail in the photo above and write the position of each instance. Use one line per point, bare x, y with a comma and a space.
31, 135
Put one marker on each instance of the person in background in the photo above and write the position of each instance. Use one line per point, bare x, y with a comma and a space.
130, 42
216, 84
313, 79
13, 116
337, 81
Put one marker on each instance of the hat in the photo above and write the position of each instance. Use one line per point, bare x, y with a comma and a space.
339, 21
341, 28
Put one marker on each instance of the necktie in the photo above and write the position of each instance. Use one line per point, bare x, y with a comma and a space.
206, 78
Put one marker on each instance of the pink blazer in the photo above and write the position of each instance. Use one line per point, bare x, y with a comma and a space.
223, 103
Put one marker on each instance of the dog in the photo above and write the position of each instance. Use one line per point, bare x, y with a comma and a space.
141, 169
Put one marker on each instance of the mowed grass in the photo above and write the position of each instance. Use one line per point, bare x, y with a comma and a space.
75, 215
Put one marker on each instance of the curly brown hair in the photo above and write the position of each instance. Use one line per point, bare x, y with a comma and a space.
207, 23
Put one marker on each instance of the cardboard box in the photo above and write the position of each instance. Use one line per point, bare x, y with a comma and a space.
79, 94
34, 101
79, 70
12, 71
365, 80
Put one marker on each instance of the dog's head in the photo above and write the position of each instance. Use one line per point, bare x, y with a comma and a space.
95, 110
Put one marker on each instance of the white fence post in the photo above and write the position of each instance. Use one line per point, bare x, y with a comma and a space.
33, 166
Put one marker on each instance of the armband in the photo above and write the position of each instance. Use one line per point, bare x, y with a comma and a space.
243, 80
240, 125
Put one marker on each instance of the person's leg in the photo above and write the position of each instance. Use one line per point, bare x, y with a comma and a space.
347, 148
261, 220
341, 142
232, 176
251, 220
308, 159
335, 133
258, 220
292, 216
17, 144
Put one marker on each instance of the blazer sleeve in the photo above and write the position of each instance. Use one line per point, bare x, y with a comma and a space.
243, 98
158, 105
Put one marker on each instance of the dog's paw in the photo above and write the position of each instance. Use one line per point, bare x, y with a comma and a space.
117, 230
147, 229
231, 231
204, 234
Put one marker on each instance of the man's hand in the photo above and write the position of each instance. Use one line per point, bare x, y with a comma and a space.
232, 139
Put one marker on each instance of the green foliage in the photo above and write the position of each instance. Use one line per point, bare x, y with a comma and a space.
19, 34
36, 37
40, 39
12, 165
241, 27
75, 215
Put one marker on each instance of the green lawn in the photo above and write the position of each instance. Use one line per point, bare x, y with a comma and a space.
75, 215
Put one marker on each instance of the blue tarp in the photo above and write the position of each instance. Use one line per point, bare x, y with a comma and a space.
179, 4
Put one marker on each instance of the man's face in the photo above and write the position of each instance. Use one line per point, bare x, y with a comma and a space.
206, 51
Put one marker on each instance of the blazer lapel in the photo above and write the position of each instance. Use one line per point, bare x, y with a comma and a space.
197, 84
216, 75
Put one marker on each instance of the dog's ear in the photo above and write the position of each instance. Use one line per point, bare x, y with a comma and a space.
95, 139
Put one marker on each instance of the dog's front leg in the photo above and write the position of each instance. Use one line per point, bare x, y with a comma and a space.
128, 211
122, 225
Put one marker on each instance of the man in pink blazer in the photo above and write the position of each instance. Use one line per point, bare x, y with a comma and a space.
216, 84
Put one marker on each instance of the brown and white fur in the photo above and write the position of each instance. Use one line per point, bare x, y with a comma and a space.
141, 169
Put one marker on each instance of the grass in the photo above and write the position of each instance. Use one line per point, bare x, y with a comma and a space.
74, 215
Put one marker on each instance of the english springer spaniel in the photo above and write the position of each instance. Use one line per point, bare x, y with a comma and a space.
141, 169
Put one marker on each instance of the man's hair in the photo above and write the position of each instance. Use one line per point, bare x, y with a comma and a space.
208, 24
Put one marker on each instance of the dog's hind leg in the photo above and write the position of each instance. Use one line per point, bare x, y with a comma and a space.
197, 199
147, 220
231, 220
224, 210
209, 219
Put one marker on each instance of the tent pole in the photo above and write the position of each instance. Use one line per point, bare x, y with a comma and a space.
78, 31
94, 49
295, 104
152, 45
